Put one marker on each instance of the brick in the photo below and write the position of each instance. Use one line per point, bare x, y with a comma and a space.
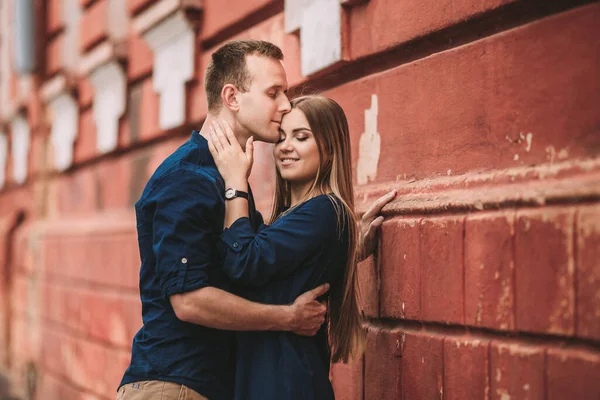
92, 361
466, 366
572, 374
368, 282
363, 40
489, 270
422, 366
112, 177
78, 193
517, 371
544, 271
140, 57
347, 379
54, 16
588, 272
93, 27
219, 15
471, 124
85, 92
148, 112
135, 6
54, 58
442, 269
85, 144
401, 269
383, 368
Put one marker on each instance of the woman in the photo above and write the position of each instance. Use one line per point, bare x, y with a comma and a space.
312, 239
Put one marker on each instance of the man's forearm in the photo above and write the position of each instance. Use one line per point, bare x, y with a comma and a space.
219, 309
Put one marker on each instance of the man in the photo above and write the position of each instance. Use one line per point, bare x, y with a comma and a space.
185, 349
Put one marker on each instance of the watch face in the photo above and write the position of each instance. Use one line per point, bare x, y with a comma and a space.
229, 194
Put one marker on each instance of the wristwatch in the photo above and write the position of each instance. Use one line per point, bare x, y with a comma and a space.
231, 194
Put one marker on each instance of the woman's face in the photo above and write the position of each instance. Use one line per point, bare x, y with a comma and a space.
296, 153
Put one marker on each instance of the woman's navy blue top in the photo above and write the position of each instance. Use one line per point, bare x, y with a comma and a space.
299, 251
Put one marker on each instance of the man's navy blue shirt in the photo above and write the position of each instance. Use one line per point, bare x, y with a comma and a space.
179, 222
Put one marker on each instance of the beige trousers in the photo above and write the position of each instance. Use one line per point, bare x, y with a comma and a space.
157, 390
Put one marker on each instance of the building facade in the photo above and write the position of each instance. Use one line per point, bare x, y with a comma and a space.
484, 115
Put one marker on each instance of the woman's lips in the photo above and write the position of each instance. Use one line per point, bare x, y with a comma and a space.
288, 161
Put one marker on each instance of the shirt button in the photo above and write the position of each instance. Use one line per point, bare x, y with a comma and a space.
235, 244
184, 260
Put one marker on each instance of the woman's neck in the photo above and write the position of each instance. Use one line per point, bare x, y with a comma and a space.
299, 192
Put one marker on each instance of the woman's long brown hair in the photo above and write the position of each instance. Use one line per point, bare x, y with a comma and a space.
330, 129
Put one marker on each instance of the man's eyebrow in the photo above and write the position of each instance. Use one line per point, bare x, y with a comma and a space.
277, 87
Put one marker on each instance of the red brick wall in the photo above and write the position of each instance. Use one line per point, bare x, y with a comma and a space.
486, 283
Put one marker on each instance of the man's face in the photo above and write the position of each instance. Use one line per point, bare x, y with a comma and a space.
262, 107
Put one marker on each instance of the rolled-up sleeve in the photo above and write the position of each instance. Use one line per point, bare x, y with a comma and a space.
184, 208
253, 259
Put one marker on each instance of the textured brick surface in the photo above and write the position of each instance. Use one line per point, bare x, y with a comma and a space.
399, 29
140, 57
54, 15
347, 379
476, 94
383, 365
93, 27
588, 272
401, 269
572, 374
368, 276
516, 371
422, 366
220, 15
466, 367
135, 6
489, 270
442, 269
545, 271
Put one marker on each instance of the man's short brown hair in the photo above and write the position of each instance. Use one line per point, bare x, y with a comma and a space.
228, 65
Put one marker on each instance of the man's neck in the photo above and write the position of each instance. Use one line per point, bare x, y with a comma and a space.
220, 117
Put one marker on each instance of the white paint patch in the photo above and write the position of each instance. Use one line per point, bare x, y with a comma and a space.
20, 148
528, 138
173, 44
110, 86
449, 172
320, 27
71, 14
369, 146
64, 130
117, 19
3, 157
516, 157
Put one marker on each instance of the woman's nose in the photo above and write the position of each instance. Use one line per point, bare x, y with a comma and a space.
285, 146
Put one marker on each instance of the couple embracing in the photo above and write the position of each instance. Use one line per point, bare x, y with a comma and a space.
233, 307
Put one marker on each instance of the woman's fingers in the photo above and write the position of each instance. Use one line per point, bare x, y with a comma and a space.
229, 133
250, 150
215, 140
211, 145
219, 134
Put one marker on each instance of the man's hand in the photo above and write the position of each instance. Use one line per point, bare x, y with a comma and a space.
307, 313
369, 225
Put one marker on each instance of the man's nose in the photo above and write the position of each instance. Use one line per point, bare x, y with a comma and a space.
285, 106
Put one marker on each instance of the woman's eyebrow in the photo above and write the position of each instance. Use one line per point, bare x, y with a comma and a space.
301, 129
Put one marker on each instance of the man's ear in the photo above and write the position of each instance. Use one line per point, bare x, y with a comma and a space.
228, 97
